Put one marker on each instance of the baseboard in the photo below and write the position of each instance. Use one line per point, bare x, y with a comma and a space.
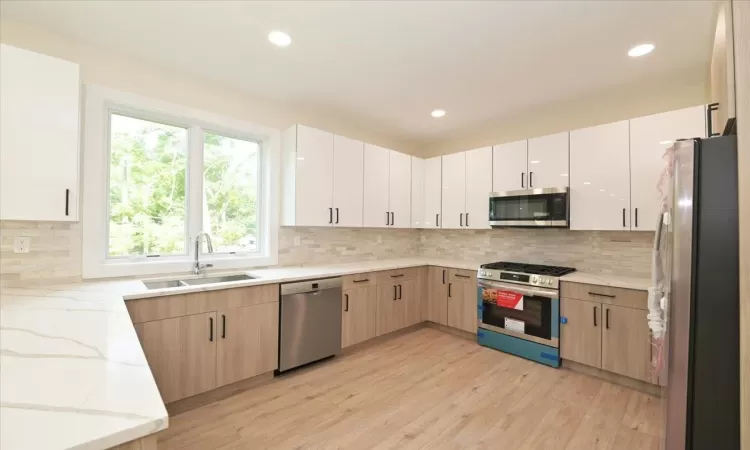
453, 331
144, 443
622, 380
215, 395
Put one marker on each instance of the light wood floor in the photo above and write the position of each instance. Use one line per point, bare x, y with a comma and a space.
425, 390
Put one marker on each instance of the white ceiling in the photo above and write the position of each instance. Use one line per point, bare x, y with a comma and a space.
392, 62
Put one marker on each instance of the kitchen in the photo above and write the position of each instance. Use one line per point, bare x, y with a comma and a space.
123, 325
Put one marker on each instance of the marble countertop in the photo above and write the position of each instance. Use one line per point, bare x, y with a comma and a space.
72, 372
618, 281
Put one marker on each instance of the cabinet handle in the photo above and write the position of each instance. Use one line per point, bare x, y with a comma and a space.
67, 202
330, 215
397, 276
449, 289
393, 218
531, 179
522, 174
606, 318
360, 281
461, 219
337, 215
211, 329
395, 290
400, 288
223, 326
467, 219
623, 217
346, 308
601, 295
462, 276
443, 276
436, 220
595, 315
387, 218
636, 217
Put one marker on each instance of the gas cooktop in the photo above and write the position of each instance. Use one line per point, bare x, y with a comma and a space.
530, 274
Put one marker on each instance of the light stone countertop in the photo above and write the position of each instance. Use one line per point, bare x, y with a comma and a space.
618, 281
72, 371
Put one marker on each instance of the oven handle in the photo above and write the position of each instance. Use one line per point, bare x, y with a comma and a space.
540, 292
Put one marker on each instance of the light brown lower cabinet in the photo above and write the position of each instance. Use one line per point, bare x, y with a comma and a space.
437, 295
391, 307
247, 342
462, 301
181, 353
581, 335
359, 315
626, 342
411, 295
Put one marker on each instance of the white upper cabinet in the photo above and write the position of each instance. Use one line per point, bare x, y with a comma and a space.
433, 188
308, 175
454, 191
510, 166
600, 177
417, 192
400, 190
39, 146
348, 166
478, 187
650, 137
548, 161
377, 186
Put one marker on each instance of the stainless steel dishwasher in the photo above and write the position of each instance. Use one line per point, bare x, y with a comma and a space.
310, 327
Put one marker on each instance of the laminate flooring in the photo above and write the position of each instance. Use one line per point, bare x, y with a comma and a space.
425, 390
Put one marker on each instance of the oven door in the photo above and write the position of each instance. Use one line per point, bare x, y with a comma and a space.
525, 312
546, 207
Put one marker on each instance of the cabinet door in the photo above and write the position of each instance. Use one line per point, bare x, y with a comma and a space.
600, 177
548, 161
391, 309
181, 353
248, 342
314, 177
437, 295
626, 342
581, 334
454, 191
359, 315
478, 187
509, 166
39, 149
417, 192
376, 186
400, 190
650, 137
433, 176
348, 166
410, 295
462, 305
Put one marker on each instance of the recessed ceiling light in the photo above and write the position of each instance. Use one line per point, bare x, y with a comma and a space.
640, 50
534, 162
665, 142
586, 182
279, 38
563, 174
602, 190
438, 113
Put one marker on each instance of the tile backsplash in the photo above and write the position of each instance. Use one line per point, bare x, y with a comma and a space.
626, 253
55, 254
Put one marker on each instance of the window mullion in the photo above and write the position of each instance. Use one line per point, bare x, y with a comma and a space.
195, 187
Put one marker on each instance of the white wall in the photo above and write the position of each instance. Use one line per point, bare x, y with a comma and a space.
106, 68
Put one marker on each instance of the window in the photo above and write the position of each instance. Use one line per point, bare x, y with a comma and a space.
156, 175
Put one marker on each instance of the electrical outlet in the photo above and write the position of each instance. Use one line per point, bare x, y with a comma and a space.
297, 240
379, 239
486, 240
423, 238
21, 245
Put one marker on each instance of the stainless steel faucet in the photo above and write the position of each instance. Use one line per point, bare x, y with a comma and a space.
198, 266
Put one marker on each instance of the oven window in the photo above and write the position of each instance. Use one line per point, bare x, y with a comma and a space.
532, 317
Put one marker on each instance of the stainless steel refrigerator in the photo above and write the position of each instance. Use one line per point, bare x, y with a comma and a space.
702, 392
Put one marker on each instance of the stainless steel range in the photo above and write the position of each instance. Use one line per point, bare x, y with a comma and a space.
519, 309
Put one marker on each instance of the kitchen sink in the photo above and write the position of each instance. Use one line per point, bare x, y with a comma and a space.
213, 280
164, 284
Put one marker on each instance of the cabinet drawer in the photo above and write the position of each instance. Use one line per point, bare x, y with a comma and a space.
398, 275
358, 281
630, 298
148, 309
462, 276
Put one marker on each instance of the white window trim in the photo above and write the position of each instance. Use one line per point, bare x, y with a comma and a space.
95, 221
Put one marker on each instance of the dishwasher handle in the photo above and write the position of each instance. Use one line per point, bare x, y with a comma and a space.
304, 287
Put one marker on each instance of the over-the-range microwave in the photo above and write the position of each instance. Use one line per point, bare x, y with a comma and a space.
546, 207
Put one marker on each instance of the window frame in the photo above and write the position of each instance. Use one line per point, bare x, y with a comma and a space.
101, 103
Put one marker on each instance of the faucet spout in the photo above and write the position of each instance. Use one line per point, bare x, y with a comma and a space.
197, 266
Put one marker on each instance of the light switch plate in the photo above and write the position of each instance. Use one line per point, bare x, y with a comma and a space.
297, 240
21, 245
